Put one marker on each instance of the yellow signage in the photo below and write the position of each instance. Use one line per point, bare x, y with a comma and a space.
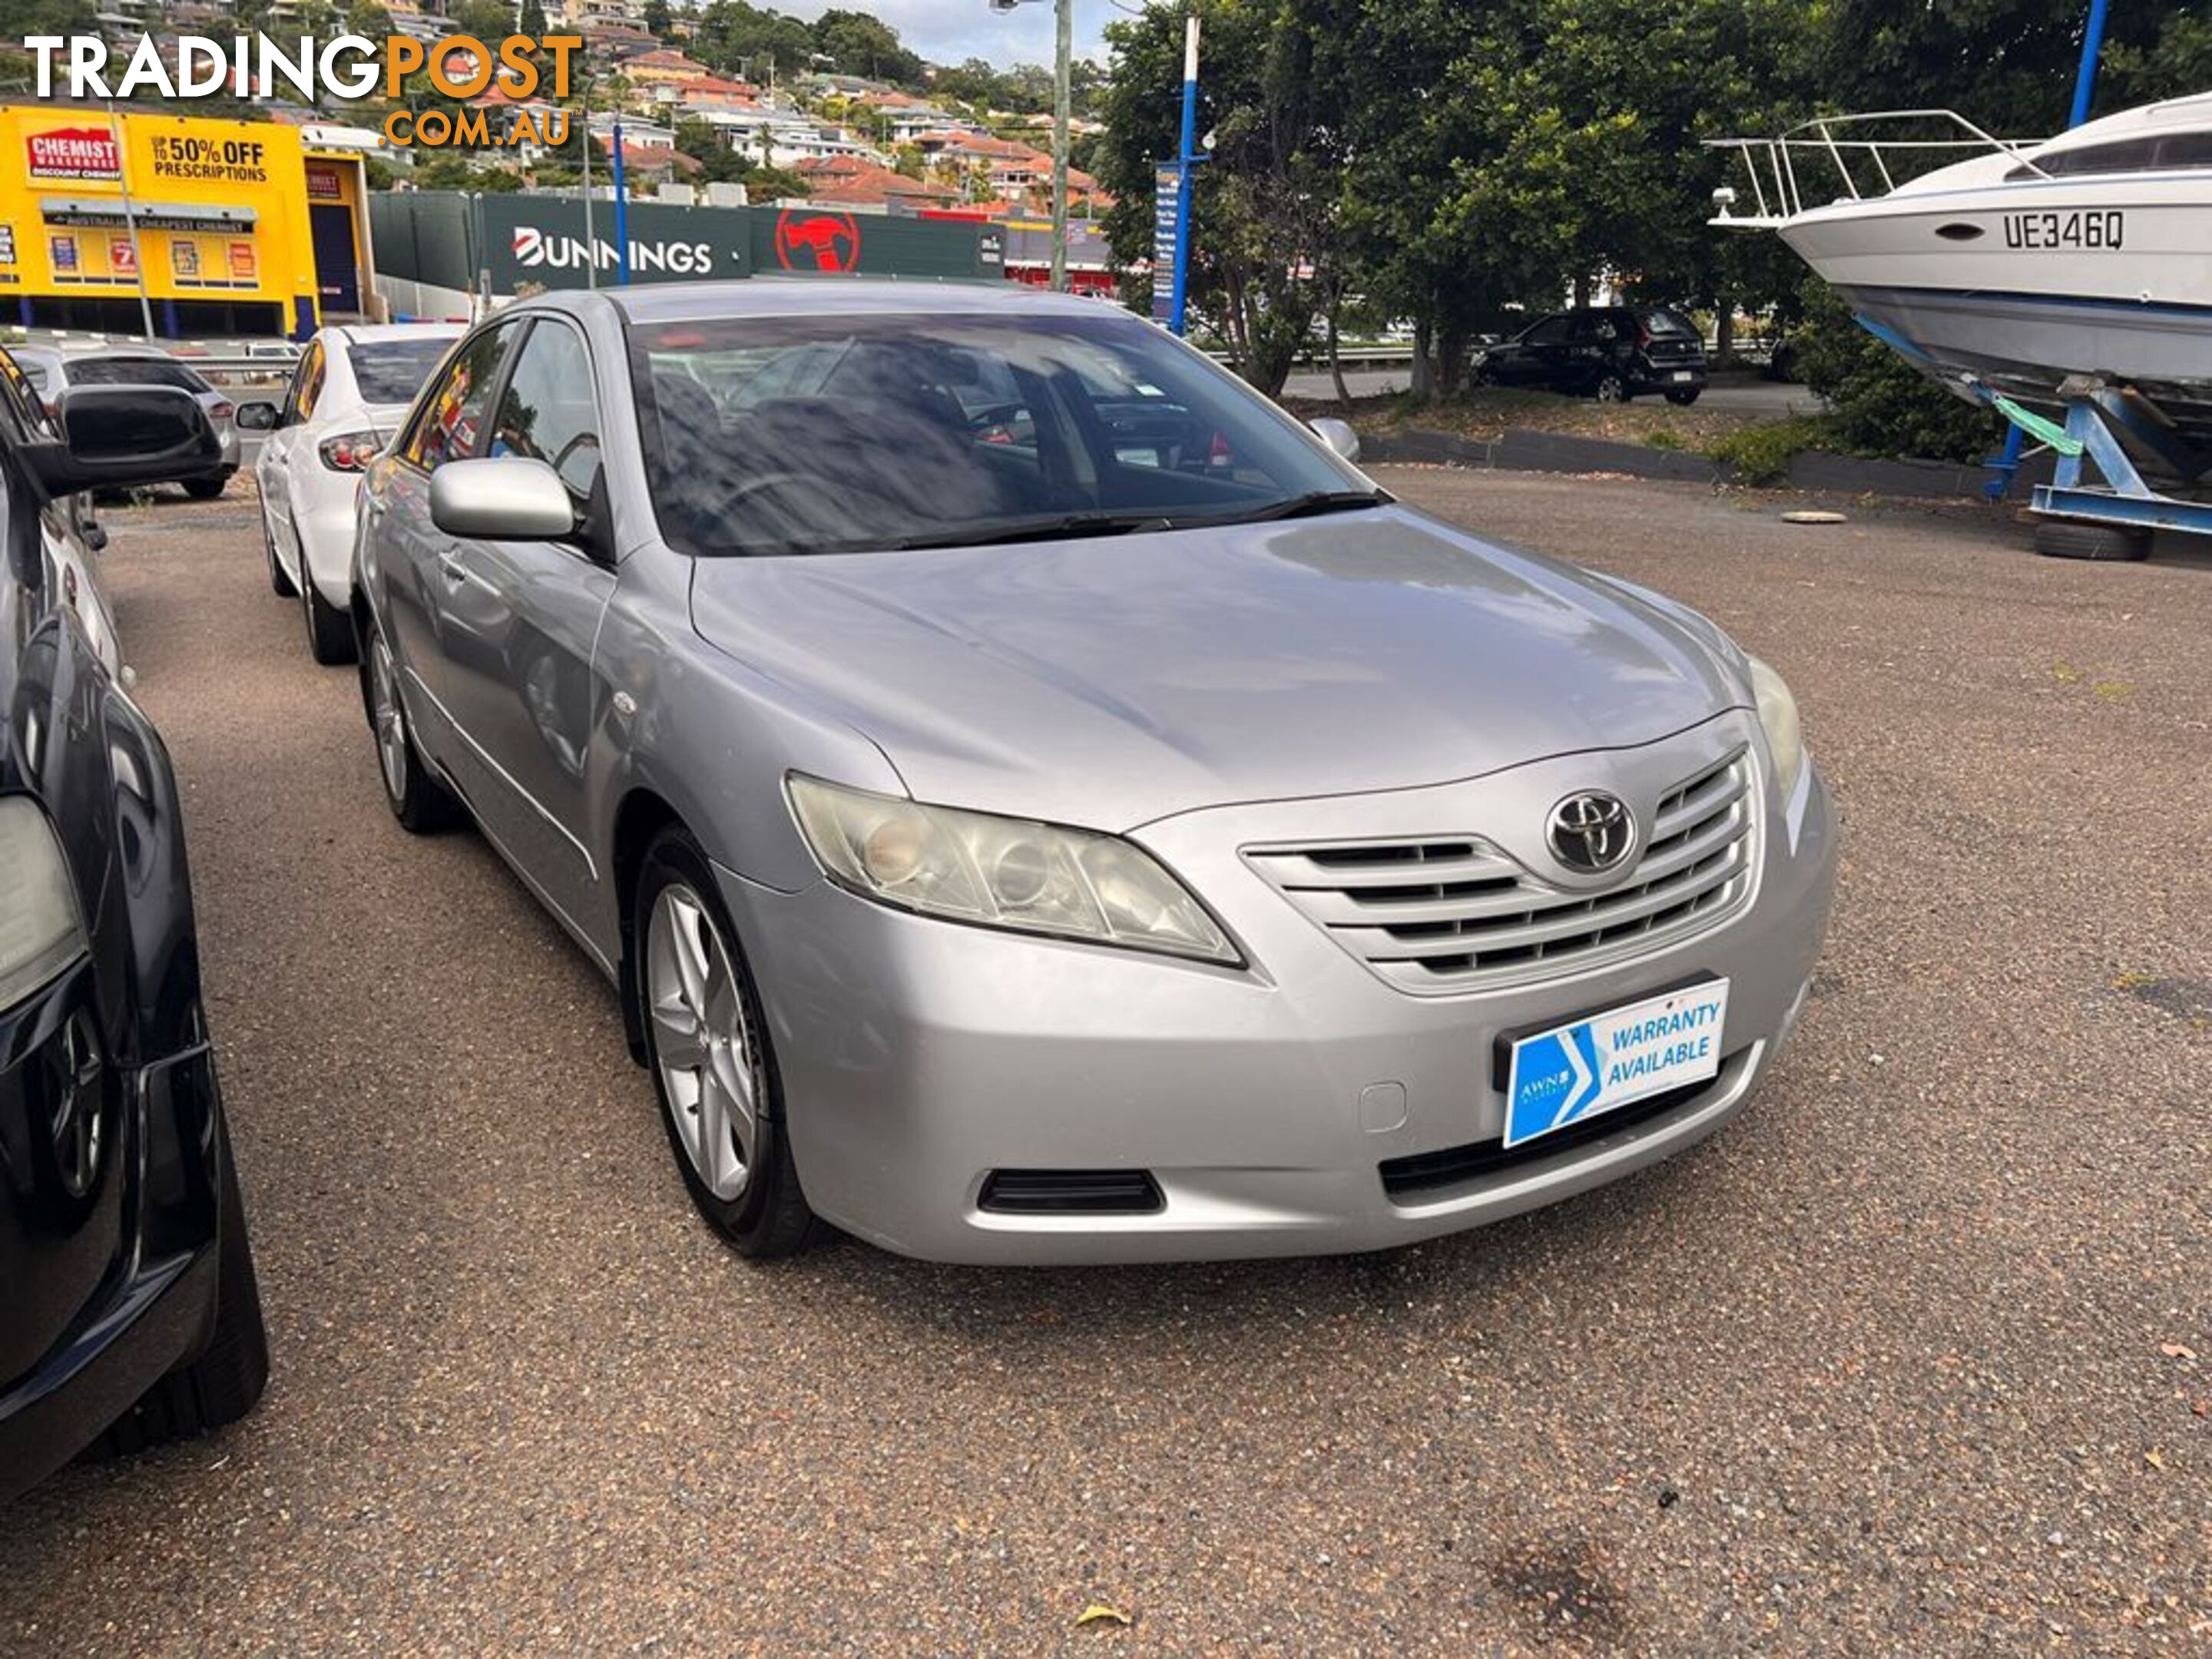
220, 209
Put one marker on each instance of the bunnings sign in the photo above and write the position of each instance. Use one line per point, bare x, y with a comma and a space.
542, 239
452, 241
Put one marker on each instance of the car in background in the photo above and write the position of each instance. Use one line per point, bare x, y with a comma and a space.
1021, 828
56, 369
348, 392
131, 1314
1612, 353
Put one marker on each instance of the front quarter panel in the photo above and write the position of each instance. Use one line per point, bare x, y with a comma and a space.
709, 735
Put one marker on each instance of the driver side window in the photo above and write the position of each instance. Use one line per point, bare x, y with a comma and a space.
451, 418
547, 412
1549, 332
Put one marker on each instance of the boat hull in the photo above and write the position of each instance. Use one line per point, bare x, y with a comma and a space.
2020, 287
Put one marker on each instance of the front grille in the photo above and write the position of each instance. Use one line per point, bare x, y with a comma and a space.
1071, 1192
1407, 1180
1454, 912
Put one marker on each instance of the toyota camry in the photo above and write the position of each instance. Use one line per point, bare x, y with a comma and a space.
1038, 802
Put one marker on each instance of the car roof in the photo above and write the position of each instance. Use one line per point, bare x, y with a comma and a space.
817, 296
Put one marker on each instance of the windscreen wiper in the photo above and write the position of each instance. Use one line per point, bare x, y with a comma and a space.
1310, 505
1057, 527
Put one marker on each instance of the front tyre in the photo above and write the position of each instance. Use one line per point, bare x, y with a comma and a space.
1683, 399
707, 1047
207, 489
420, 803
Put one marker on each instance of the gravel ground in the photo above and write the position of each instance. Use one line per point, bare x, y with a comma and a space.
1915, 1358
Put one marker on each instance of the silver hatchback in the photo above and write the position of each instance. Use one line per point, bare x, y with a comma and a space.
1039, 803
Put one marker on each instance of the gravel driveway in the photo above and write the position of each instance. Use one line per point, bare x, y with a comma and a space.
1915, 1358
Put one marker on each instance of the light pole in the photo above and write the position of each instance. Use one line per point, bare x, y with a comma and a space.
129, 217
590, 240
1187, 158
1063, 53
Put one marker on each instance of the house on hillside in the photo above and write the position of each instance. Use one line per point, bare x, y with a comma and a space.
849, 181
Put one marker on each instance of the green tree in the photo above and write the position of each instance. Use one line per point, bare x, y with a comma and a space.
1880, 404
487, 19
861, 44
1265, 242
659, 19
735, 38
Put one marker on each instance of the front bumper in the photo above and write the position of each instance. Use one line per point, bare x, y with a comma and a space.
156, 1220
917, 1056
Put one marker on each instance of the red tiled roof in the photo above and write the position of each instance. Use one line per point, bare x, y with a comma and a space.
849, 178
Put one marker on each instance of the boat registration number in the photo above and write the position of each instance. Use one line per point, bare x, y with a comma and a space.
2100, 228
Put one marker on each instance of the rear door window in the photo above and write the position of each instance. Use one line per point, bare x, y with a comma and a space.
306, 385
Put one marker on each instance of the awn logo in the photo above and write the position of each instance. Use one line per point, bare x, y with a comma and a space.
536, 250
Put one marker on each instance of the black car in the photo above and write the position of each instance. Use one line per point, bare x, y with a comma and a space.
1611, 352
130, 1314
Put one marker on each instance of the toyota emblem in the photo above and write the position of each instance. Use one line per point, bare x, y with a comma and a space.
1591, 832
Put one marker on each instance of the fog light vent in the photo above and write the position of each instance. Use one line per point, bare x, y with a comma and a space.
1072, 1192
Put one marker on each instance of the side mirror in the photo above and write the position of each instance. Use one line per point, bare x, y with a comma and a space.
259, 416
114, 437
1338, 436
503, 498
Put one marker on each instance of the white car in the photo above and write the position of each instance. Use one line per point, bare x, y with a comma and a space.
349, 393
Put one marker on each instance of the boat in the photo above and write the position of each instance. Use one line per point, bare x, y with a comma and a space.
2036, 272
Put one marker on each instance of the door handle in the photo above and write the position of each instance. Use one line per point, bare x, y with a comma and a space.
455, 571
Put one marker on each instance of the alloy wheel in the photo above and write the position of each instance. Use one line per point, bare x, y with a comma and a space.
702, 1042
78, 1125
391, 723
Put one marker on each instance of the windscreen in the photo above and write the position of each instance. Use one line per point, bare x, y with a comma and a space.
796, 434
393, 371
132, 371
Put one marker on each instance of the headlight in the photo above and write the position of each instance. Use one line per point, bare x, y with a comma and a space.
1777, 713
39, 933
1002, 873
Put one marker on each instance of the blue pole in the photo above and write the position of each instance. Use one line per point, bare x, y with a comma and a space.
2085, 87
621, 216
1185, 158
2085, 80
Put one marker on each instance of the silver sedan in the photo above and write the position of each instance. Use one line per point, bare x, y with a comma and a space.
1038, 803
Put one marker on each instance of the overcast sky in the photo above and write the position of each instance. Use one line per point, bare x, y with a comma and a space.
952, 31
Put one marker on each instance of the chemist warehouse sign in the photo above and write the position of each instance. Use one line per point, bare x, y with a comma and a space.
347, 66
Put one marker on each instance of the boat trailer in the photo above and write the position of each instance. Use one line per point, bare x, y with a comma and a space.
2102, 421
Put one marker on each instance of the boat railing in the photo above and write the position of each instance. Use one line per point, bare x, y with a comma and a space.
1834, 142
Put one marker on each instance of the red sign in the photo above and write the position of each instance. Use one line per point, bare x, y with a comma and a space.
809, 239
122, 258
241, 262
74, 153
322, 183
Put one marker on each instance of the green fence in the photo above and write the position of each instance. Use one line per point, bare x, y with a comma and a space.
445, 242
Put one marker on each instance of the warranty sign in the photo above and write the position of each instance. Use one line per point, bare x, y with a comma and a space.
1573, 1073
